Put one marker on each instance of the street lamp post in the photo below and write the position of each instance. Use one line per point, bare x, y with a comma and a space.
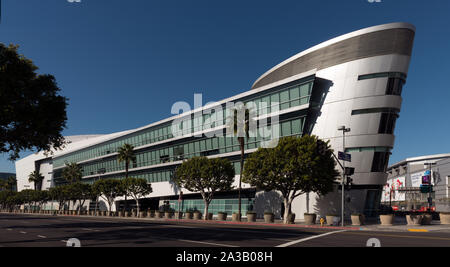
344, 130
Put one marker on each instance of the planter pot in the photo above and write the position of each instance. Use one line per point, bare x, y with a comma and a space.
168, 215
197, 215
158, 214
387, 220
330, 219
291, 218
179, 215
358, 219
222, 216
150, 213
310, 219
189, 215
209, 217
269, 218
251, 217
235, 217
127, 214
121, 214
142, 214
427, 219
445, 218
414, 219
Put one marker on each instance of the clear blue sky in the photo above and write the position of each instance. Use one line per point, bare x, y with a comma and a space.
124, 63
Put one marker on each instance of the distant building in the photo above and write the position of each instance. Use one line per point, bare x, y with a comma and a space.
402, 189
6, 175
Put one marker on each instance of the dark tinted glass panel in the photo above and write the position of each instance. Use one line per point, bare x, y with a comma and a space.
387, 123
380, 161
395, 86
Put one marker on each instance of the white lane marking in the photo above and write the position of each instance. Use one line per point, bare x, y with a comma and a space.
9, 229
22, 232
308, 238
207, 243
41, 236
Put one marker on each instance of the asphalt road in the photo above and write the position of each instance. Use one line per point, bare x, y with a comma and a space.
52, 231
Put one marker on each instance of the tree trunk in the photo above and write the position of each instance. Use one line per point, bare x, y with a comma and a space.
126, 177
138, 208
241, 144
206, 210
287, 210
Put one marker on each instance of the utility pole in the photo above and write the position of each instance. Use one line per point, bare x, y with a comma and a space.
344, 130
430, 196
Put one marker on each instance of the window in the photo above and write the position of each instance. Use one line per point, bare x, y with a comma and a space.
380, 161
387, 123
374, 110
395, 86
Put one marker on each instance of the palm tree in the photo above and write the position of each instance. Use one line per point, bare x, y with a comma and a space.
72, 173
36, 178
240, 125
126, 154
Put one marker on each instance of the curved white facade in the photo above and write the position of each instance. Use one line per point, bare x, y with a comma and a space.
358, 102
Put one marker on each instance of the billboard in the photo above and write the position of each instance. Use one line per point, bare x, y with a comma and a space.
416, 179
391, 190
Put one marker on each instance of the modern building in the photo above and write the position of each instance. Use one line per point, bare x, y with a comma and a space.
354, 80
5, 176
403, 188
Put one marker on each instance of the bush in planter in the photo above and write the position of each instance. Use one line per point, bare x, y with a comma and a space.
387, 219
251, 216
168, 215
197, 215
236, 217
358, 219
269, 217
414, 219
188, 215
445, 217
310, 218
330, 218
291, 218
222, 216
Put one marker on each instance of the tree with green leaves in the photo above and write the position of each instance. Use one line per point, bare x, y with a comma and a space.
41, 197
80, 192
136, 188
207, 176
36, 178
239, 124
294, 167
126, 155
6, 198
109, 190
27, 197
72, 173
3, 185
59, 194
33, 114
11, 183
